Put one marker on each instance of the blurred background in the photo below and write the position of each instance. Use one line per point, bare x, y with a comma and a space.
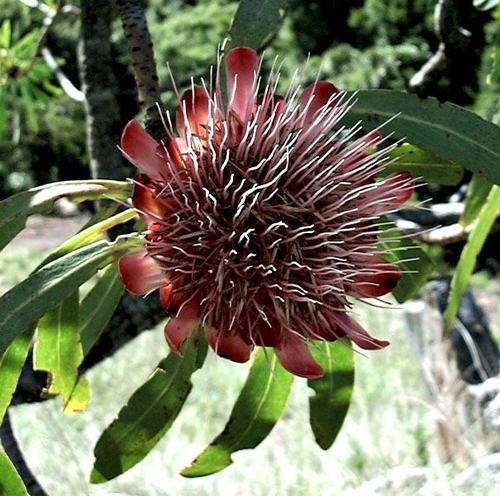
425, 418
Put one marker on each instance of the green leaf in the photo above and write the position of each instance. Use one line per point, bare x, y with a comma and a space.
149, 413
256, 22
80, 397
58, 349
11, 483
91, 234
328, 407
29, 105
415, 265
5, 34
449, 131
98, 306
102, 214
486, 4
23, 49
468, 257
15, 210
421, 163
258, 408
40, 292
3, 111
11, 365
478, 191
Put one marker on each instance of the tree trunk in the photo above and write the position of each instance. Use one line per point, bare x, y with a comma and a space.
101, 89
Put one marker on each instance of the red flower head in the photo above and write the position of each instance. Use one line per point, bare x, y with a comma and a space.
260, 215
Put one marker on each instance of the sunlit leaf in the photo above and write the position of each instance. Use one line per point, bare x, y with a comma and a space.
24, 48
426, 165
478, 191
11, 365
15, 210
330, 403
40, 292
5, 34
149, 413
80, 397
264, 17
102, 213
449, 131
258, 408
92, 233
98, 306
11, 483
58, 350
468, 257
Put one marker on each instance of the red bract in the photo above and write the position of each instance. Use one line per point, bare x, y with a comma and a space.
261, 217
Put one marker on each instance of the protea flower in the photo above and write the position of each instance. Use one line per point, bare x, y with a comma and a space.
261, 216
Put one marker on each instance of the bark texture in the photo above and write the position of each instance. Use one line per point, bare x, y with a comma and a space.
140, 49
101, 89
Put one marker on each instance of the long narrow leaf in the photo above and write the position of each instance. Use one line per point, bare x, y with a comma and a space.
467, 262
414, 264
11, 365
478, 191
80, 397
330, 403
426, 165
98, 306
92, 233
149, 413
58, 350
12, 362
11, 483
258, 408
449, 131
46, 288
265, 18
15, 210
29, 105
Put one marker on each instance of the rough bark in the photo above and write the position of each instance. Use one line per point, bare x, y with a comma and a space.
100, 88
140, 49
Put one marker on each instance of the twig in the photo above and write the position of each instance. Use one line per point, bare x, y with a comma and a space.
48, 22
45, 9
452, 38
51, 15
13, 451
69, 88
444, 235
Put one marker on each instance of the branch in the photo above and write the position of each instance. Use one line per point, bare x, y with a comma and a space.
452, 38
140, 49
51, 15
13, 451
48, 22
439, 236
69, 88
